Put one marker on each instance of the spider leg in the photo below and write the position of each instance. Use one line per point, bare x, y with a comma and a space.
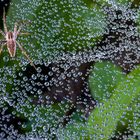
2, 32
17, 31
24, 33
2, 42
24, 52
15, 28
1, 48
4, 21
21, 25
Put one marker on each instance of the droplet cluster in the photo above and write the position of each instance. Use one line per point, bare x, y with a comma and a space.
83, 53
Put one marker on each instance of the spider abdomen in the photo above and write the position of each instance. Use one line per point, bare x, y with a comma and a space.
11, 46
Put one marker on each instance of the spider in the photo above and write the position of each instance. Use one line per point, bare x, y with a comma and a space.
10, 40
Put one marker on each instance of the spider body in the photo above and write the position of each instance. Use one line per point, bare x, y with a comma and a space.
11, 43
10, 40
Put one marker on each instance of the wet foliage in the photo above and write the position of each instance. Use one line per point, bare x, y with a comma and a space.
86, 84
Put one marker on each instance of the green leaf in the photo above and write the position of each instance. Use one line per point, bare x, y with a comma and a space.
129, 119
104, 119
52, 115
122, 2
59, 25
73, 131
92, 3
63, 26
136, 118
103, 79
76, 127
